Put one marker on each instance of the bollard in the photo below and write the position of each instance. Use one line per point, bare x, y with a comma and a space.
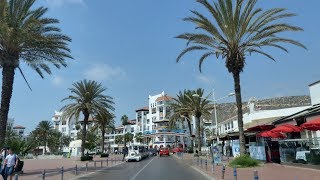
86, 167
197, 161
95, 165
101, 163
255, 175
44, 174
16, 177
107, 163
201, 162
61, 173
235, 173
212, 168
223, 171
76, 170
206, 163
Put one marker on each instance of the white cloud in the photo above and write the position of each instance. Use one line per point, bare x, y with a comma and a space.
204, 79
59, 3
101, 72
57, 81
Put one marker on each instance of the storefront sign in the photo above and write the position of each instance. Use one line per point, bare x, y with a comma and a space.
257, 152
235, 148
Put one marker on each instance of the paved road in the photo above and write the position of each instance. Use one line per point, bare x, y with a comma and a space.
155, 168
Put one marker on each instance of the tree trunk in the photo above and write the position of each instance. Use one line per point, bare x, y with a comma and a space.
198, 133
190, 132
237, 90
7, 86
84, 131
103, 131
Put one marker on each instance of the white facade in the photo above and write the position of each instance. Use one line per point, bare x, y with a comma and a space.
254, 116
152, 122
65, 126
315, 92
10, 123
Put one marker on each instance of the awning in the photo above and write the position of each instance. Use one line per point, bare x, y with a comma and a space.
271, 134
313, 125
260, 128
260, 122
287, 128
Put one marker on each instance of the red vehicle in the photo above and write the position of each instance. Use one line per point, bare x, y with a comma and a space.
177, 150
164, 151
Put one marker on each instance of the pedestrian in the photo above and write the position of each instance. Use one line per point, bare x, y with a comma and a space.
10, 163
3, 156
125, 152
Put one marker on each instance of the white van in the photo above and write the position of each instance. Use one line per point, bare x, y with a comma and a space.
137, 152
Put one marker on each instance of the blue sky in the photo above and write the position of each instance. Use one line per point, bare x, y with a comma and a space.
130, 47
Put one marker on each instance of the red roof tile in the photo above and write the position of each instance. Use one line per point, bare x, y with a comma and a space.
164, 98
19, 127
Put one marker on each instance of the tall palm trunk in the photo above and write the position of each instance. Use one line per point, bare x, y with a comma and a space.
198, 133
237, 90
190, 132
7, 84
103, 131
84, 131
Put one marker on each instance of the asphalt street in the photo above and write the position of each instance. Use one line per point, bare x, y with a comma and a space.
153, 168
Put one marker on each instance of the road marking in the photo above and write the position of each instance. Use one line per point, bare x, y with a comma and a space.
141, 170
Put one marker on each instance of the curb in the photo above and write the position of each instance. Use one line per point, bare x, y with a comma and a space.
103, 169
198, 170
203, 173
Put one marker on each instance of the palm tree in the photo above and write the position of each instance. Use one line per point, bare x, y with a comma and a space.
87, 99
104, 121
237, 30
181, 111
139, 137
124, 121
43, 131
27, 36
198, 107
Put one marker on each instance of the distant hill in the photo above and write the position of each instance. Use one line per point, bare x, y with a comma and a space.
229, 110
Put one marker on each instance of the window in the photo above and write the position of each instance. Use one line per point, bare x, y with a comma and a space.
148, 121
132, 129
225, 127
64, 129
231, 124
148, 128
64, 122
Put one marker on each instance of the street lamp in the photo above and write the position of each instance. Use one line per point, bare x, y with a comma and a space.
214, 100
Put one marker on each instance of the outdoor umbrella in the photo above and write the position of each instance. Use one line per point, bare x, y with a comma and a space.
260, 128
271, 134
313, 125
287, 128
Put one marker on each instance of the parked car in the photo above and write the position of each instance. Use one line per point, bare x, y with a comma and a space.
177, 150
164, 151
152, 152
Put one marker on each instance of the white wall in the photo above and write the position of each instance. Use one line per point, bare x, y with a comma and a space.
315, 93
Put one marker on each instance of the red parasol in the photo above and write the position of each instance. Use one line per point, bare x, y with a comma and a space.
313, 125
260, 128
271, 134
287, 128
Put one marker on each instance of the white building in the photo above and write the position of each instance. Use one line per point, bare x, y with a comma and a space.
152, 122
256, 117
65, 126
19, 130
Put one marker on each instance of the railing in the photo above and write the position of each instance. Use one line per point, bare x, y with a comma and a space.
76, 170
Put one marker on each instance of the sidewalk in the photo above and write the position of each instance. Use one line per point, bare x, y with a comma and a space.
269, 171
33, 168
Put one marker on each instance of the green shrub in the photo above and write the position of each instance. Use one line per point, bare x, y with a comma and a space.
86, 158
244, 161
104, 155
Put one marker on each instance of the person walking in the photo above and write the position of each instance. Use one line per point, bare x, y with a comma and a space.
3, 156
10, 163
125, 152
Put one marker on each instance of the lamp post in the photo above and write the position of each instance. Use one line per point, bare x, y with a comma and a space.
214, 100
